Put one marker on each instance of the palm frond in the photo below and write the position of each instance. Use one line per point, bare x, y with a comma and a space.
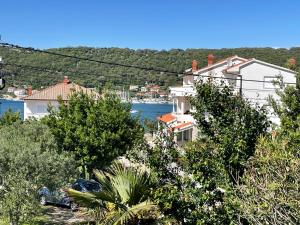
126, 190
136, 212
84, 198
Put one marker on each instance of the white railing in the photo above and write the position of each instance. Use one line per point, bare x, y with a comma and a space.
182, 91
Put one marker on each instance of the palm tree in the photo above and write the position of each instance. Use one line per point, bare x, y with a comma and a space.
124, 198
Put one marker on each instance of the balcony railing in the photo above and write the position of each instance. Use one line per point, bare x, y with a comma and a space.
182, 91
184, 117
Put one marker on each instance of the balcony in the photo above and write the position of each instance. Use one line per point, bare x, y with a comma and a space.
184, 118
182, 91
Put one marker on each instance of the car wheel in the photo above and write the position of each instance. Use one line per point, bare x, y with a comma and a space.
43, 200
73, 206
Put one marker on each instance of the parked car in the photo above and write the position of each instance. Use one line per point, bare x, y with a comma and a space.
60, 197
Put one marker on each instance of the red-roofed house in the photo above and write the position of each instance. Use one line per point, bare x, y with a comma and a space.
230, 70
36, 104
167, 118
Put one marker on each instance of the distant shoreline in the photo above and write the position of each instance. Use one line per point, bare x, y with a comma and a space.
153, 103
134, 102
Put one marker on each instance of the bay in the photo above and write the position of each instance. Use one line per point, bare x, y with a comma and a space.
14, 105
150, 111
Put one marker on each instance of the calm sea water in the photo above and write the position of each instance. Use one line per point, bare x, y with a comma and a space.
16, 106
150, 111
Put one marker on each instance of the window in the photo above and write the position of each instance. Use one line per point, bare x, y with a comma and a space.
179, 136
186, 135
77, 187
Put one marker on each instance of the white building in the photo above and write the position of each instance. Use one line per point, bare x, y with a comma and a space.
36, 104
133, 88
143, 89
11, 89
19, 93
252, 77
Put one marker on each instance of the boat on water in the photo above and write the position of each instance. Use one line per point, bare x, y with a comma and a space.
133, 111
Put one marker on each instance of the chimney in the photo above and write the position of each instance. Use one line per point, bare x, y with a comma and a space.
194, 65
292, 62
66, 80
29, 90
210, 59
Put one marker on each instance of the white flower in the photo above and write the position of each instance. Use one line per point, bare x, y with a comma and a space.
221, 190
218, 204
198, 185
173, 165
181, 173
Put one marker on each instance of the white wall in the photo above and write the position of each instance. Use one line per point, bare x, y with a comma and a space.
259, 92
256, 92
188, 80
182, 105
37, 108
218, 72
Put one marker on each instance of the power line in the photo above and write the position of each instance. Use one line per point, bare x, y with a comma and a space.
87, 59
52, 70
249, 80
45, 69
41, 69
132, 66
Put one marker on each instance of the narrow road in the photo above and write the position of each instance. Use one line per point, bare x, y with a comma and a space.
64, 216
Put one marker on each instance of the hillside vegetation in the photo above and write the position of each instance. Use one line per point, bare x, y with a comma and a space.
92, 74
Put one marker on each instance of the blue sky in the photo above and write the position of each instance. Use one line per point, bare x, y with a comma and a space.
154, 24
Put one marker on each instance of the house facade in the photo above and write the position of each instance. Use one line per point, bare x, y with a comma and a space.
36, 104
253, 78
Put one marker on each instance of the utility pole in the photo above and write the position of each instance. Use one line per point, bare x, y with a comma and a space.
2, 81
241, 84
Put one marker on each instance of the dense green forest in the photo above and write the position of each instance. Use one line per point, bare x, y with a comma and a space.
95, 75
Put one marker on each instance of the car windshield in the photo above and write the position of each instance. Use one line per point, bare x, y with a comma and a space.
90, 186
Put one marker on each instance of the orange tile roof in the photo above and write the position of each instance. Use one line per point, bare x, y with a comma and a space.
63, 89
166, 118
183, 125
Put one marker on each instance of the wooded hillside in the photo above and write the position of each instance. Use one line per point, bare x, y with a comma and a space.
94, 75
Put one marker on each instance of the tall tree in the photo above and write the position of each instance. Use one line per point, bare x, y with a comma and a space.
189, 184
288, 110
9, 117
229, 121
269, 191
29, 160
97, 130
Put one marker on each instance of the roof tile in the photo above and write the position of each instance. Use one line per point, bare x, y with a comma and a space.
63, 90
167, 118
183, 125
